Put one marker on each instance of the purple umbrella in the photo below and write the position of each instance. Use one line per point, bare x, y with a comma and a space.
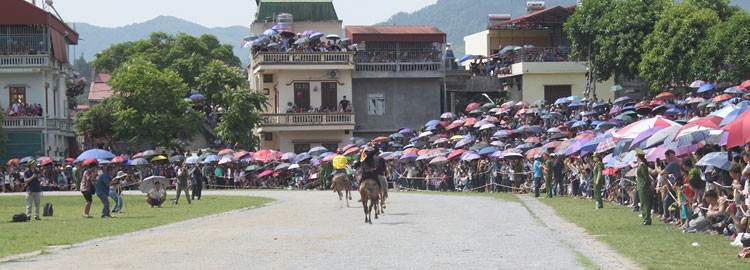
406, 132
496, 155
280, 27
308, 32
470, 157
644, 135
462, 143
576, 146
408, 157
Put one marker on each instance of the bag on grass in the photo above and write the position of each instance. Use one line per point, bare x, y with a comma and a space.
48, 211
20, 217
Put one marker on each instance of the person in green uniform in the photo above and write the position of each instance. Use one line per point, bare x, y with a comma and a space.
548, 174
598, 181
643, 185
322, 174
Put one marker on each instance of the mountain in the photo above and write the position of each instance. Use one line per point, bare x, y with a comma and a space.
459, 18
96, 39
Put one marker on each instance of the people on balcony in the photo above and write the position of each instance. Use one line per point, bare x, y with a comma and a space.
19, 108
293, 108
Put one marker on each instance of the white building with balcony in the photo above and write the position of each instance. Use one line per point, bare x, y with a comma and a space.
305, 87
33, 71
532, 58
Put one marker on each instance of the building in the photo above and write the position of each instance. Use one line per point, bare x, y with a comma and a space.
398, 77
535, 54
313, 81
34, 68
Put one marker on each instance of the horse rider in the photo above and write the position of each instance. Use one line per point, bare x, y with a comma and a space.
380, 170
368, 165
339, 164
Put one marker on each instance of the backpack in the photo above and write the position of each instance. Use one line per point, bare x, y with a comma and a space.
20, 217
48, 211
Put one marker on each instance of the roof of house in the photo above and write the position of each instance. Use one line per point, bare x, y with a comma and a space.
99, 88
551, 16
395, 33
302, 10
20, 12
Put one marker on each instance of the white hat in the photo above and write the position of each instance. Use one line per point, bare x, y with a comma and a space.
121, 174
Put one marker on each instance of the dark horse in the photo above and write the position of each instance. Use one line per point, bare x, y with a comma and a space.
341, 185
369, 191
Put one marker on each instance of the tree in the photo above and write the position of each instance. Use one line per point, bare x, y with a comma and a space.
97, 121
722, 7
241, 116
583, 28
724, 55
215, 78
151, 105
671, 49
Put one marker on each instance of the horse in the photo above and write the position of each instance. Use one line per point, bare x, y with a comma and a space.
368, 191
341, 183
383, 193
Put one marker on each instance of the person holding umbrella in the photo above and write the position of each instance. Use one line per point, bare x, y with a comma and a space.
33, 189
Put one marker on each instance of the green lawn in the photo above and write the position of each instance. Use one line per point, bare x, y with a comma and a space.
660, 246
67, 226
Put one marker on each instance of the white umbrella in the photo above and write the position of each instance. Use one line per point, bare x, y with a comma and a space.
148, 183
192, 160
139, 161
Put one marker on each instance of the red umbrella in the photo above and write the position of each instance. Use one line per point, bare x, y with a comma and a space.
47, 161
119, 159
739, 130
89, 161
456, 153
721, 97
225, 152
240, 154
472, 106
380, 139
351, 151
664, 95
452, 126
423, 152
745, 84
469, 122
533, 152
533, 140
14, 161
266, 155
609, 171
70, 160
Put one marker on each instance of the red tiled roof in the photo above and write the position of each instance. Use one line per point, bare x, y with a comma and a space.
556, 15
99, 87
395, 33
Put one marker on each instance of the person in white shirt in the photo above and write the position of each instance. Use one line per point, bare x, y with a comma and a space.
156, 196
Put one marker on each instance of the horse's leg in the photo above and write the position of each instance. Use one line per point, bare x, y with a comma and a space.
375, 202
348, 194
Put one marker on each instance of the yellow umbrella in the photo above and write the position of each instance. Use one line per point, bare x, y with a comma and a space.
159, 157
457, 137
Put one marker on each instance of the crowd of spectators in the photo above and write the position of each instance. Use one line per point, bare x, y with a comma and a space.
20, 108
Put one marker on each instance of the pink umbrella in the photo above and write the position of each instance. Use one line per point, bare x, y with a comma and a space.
265, 173
522, 104
631, 131
472, 106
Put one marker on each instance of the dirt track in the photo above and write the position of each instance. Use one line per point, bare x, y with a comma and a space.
313, 230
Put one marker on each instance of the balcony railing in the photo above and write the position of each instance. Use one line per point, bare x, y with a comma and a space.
24, 61
303, 58
31, 122
541, 54
398, 67
308, 119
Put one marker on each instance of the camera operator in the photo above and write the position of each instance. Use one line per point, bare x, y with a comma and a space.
33, 189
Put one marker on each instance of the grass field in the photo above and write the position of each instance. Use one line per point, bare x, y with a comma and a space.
67, 226
660, 246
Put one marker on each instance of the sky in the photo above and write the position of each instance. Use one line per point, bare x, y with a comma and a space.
215, 13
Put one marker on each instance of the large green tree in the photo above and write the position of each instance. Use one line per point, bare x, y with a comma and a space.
583, 29
725, 53
241, 116
152, 110
670, 51
98, 121
216, 78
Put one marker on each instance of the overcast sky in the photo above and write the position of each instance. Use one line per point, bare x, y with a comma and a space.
215, 13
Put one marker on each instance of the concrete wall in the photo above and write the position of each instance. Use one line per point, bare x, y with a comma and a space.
476, 44
408, 103
533, 85
284, 141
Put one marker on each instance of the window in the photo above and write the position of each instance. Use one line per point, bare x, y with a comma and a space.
328, 96
267, 91
268, 136
17, 94
331, 146
301, 147
302, 96
375, 104
268, 78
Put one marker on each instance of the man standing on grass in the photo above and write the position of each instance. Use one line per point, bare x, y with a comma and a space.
598, 181
33, 189
182, 184
643, 185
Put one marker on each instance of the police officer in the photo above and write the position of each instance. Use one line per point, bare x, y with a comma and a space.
548, 174
598, 181
643, 185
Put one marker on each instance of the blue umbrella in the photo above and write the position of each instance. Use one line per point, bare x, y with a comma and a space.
579, 124
501, 134
269, 32
562, 101
408, 157
673, 111
140, 161
95, 153
731, 116
716, 159
575, 105
574, 98
251, 37
432, 123
406, 131
706, 87
197, 96
732, 90
212, 158
316, 35
465, 57
302, 157
487, 151
26, 159
621, 99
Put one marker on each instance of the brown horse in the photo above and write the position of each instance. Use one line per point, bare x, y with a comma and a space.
383, 193
341, 183
368, 191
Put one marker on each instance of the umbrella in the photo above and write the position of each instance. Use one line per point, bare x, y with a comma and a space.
317, 150
606, 144
46, 161
732, 90
225, 152
177, 159
351, 151
159, 157
432, 123
472, 106
408, 157
288, 156
470, 157
265, 173
226, 159
578, 124
468, 122
605, 125
333, 37
487, 126
138, 161
716, 159
729, 118
439, 141
93, 153
622, 99
721, 98
739, 130
661, 135
560, 101
487, 150
456, 153
192, 160
269, 32
148, 183
406, 132
644, 135
196, 96
287, 34
615, 88
448, 115
705, 88
13, 161
119, 159
438, 160
697, 84
316, 35
282, 166
554, 130
279, 27
512, 156
252, 167
664, 95
212, 158
631, 131
148, 153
